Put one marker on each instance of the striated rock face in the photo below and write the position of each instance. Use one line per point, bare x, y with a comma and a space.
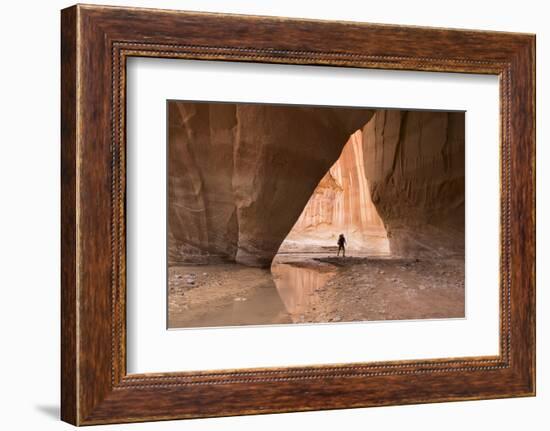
202, 215
240, 175
414, 163
341, 203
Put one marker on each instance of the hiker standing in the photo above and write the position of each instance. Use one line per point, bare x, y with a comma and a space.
341, 245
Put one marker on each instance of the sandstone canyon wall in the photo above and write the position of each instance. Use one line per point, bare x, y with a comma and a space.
239, 175
414, 162
341, 203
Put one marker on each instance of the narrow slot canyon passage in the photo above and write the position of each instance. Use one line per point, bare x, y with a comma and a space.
341, 203
254, 241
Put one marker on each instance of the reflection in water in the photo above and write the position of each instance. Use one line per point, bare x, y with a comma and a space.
263, 297
298, 286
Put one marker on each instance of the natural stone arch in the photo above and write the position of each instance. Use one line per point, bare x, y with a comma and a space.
240, 175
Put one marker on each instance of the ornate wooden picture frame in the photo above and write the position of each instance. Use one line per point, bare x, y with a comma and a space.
96, 41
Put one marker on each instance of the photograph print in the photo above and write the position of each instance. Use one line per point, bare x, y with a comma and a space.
293, 214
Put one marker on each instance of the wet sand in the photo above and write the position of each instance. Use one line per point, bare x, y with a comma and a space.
315, 288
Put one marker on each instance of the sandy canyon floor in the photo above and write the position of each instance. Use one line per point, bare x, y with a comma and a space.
315, 288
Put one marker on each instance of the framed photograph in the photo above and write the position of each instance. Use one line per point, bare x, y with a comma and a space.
264, 214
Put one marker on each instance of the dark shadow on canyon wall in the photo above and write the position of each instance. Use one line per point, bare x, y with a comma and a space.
240, 176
